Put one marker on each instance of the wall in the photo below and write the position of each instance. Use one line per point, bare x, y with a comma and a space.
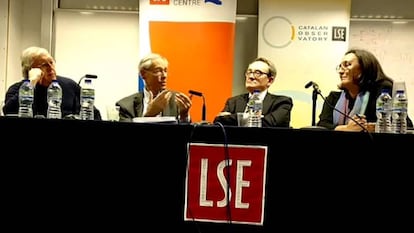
4, 15
392, 44
23, 30
100, 43
244, 51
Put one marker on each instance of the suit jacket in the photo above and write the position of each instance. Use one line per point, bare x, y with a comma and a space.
276, 110
133, 105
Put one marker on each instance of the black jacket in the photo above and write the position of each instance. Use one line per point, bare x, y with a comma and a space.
276, 110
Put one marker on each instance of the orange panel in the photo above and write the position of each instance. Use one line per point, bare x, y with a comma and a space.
200, 58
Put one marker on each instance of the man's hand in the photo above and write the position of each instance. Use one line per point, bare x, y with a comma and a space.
184, 104
35, 74
157, 104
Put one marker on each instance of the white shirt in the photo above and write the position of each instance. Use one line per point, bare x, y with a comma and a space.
147, 99
261, 95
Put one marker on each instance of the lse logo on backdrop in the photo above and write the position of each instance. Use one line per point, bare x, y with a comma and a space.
339, 33
159, 2
219, 182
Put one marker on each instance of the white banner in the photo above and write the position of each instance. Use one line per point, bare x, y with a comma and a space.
306, 40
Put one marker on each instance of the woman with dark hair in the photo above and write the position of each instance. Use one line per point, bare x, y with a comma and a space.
361, 81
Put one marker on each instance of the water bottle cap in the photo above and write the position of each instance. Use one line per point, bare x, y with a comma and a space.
385, 91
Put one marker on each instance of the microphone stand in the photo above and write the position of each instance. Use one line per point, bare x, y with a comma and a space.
203, 114
315, 94
203, 111
314, 99
88, 76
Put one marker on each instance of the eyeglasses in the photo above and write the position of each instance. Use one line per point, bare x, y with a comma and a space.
158, 72
343, 65
256, 73
45, 64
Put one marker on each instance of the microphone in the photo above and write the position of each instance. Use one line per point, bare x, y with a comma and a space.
92, 76
314, 85
308, 84
195, 93
203, 113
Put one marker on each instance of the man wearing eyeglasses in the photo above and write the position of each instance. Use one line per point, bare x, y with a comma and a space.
259, 75
155, 99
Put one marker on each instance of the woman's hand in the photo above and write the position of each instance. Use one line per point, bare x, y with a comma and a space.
357, 124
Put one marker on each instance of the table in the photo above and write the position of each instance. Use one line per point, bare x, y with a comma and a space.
101, 175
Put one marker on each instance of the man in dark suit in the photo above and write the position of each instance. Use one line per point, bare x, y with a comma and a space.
260, 74
155, 99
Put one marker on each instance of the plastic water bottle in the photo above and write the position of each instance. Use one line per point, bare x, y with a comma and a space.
399, 112
255, 107
383, 112
54, 100
26, 93
87, 100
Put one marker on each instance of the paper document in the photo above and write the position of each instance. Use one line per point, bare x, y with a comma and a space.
162, 119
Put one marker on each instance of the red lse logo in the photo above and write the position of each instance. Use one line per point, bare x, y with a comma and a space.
159, 2
218, 182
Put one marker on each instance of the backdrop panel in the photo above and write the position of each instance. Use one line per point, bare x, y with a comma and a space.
305, 40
